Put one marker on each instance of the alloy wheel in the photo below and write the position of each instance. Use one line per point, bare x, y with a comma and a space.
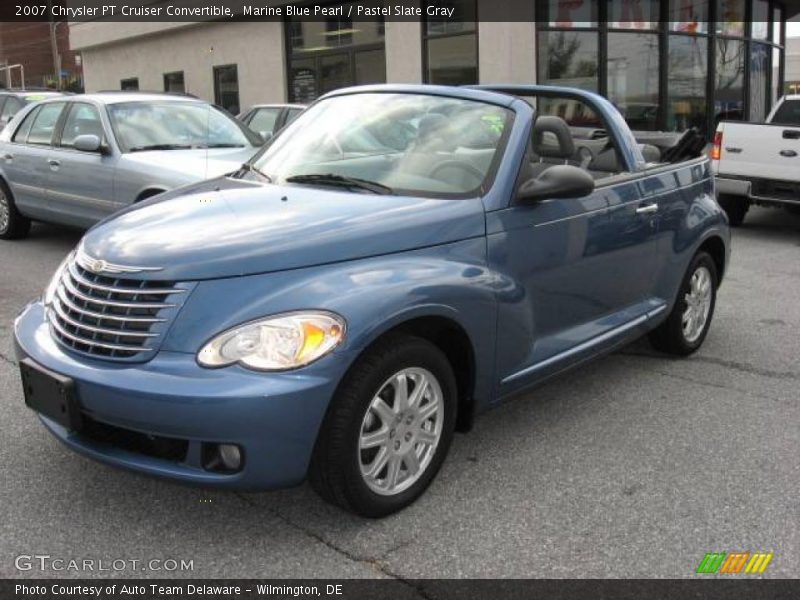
698, 304
401, 431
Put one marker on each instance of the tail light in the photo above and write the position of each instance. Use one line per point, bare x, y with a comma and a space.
716, 146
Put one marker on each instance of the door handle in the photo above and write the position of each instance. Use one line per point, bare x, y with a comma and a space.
53, 162
647, 209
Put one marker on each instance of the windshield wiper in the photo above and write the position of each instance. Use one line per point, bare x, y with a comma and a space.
341, 181
251, 168
221, 145
161, 147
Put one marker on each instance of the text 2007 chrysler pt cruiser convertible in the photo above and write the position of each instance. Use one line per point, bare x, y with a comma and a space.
397, 260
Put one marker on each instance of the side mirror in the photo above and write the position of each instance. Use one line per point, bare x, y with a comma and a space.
265, 135
88, 143
559, 181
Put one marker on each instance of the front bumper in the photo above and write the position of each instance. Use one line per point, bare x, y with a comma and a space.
274, 417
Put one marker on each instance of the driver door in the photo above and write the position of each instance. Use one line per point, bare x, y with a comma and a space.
564, 294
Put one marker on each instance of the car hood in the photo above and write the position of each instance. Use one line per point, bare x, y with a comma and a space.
228, 227
199, 163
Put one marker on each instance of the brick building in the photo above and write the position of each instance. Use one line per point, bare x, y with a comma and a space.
30, 44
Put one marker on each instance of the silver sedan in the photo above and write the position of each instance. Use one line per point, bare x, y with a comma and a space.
75, 160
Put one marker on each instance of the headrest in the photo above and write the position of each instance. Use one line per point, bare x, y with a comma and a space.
565, 146
650, 153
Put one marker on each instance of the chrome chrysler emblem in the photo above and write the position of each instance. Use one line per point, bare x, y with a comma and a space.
98, 265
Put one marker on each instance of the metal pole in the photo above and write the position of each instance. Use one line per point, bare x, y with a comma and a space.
54, 46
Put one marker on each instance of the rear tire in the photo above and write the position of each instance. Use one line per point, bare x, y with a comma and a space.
363, 459
13, 224
735, 207
687, 325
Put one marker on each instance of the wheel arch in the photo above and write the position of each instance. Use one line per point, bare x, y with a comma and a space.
449, 336
715, 247
149, 192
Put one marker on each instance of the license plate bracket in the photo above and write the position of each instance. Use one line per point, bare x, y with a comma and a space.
50, 394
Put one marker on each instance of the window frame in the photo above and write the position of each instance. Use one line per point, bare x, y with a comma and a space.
122, 83
215, 69
183, 81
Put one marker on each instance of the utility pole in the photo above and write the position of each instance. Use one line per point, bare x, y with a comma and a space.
54, 45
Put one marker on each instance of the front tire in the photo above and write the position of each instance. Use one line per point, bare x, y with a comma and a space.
13, 225
687, 325
735, 207
388, 429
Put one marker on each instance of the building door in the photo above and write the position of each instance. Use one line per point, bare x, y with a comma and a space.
226, 88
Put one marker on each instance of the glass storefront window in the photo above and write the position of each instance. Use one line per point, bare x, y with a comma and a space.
759, 68
688, 16
334, 53
687, 74
730, 17
760, 20
729, 84
451, 46
572, 13
633, 72
568, 58
633, 14
453, 60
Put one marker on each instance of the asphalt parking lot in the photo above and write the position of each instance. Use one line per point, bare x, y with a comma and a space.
634, 466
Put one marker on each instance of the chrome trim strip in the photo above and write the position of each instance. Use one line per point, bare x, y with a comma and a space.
135, 349
96, 315
103, 302
578, 349
118, 332
96, 265
121, 290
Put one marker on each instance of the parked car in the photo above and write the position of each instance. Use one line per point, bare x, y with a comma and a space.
75, 160
12, 101
759, 163
337, 311
268, 119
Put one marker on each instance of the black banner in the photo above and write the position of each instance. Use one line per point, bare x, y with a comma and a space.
564, 12
390, 589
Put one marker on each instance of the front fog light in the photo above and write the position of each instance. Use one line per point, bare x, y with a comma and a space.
277, 343
222, 458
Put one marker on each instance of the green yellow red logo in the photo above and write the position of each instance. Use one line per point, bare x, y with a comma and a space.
733, 563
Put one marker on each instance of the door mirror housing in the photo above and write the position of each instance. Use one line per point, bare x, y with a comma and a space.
88, 143
559, 181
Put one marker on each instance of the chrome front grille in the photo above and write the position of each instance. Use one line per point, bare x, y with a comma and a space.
111, 317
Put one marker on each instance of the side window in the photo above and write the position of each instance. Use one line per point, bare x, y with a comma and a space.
21, 135
10, 108
264, 119
292, 114
45, 123
83, 119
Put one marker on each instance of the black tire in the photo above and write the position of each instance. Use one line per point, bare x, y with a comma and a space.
335, 471
13, 225
735, 207
670, 336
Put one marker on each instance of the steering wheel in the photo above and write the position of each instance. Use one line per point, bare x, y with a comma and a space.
457, 164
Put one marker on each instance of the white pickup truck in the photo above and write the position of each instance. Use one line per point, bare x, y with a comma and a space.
759, 163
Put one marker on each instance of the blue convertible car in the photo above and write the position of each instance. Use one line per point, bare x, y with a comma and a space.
398, 260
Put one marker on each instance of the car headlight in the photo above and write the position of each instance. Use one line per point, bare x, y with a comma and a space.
277, 343
52, 287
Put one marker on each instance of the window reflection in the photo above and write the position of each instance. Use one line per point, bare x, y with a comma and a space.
572, 13
688, 16
759, 57
730, 17
633, 71
729, 97
568, 58
687, 74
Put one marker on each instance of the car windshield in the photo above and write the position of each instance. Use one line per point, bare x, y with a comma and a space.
392, 143
142, 126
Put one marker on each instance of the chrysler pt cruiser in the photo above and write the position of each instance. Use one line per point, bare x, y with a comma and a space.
396, 261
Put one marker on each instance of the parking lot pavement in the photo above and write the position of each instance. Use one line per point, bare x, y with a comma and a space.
634, 466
